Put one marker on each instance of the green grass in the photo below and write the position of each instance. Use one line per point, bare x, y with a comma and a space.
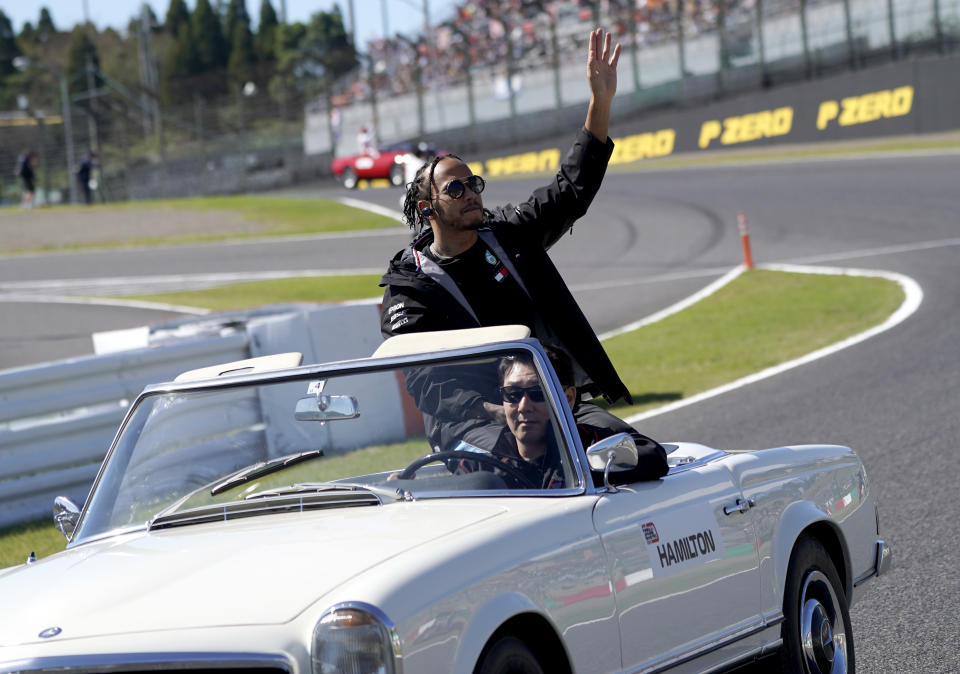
41, 538
242, 295
283, 215
760, 319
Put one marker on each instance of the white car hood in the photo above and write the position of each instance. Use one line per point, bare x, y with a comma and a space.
261, 570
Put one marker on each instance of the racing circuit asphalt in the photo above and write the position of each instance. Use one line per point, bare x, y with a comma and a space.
652, 238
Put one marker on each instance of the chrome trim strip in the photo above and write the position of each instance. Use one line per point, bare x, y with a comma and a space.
773, 617
771, 647
722, 642
753, 654
377, 613
279, 504
881, 563
118, 662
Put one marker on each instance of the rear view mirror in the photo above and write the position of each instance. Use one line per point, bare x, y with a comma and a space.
326, 408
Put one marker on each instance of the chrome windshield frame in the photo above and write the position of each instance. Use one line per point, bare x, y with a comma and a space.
561, 409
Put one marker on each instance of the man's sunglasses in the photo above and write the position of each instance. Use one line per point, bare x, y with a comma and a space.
514, 394
455, 188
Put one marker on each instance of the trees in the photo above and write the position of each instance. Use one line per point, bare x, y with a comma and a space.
267, 33
311, 57
9, 49
212, 50
45, 24
327, 51
180, 65
177, 16
242, 53
10, 77
81, 47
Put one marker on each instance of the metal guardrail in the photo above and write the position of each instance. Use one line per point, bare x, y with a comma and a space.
58, 419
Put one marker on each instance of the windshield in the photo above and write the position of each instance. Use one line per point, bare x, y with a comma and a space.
490, 421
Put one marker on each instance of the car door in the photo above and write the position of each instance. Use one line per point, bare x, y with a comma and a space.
685, 573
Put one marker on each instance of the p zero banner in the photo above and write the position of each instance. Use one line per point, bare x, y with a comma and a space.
902, 98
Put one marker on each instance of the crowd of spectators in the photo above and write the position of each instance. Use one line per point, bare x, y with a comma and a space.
482, 34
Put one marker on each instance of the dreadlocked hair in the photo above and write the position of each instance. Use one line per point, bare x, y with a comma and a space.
421, 189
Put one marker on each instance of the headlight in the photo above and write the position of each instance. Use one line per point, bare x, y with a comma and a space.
355, 639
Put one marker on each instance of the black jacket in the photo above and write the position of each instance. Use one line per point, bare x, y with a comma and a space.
420, 297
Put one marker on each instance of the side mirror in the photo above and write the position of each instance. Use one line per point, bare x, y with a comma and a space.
65, 516
615, 454
326, 408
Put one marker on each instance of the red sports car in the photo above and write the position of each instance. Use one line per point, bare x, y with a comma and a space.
348, 170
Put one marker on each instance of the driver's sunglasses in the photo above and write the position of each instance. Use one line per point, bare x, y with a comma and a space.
514, 394
455, 188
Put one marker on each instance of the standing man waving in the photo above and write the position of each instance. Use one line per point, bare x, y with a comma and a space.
469, 266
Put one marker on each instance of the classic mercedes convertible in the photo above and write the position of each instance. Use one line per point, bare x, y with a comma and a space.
274, 517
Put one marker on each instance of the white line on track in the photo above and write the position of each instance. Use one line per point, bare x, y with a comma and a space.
679, 306
104, 301
373, 208
913, 296
883, 250
813, 259
127, 285
259, 241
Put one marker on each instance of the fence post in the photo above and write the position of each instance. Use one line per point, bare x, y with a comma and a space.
805, 36
418, 73
938, 26
371, 78
555, 61
632, 23
761, 44
891, 27
721, 44
682, 56
68, 132
848, 24
510, 91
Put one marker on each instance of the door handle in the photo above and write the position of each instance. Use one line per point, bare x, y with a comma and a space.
741, 506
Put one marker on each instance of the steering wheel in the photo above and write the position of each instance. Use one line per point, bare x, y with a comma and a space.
409, 472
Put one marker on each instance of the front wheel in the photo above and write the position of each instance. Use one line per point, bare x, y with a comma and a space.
349, 178
508, 655
817, 636
396, 175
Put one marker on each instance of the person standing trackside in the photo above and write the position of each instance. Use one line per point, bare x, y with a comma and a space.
470, 267
84, 173
26, 163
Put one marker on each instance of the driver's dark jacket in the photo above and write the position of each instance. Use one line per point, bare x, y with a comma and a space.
421, 297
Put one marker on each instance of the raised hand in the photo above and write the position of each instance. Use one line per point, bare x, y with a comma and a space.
602, 66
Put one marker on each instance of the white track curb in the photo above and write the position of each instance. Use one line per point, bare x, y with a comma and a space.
913, 296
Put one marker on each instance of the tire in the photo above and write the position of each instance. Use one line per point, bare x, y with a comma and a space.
508, 655
349, 178
816, 632
396, 175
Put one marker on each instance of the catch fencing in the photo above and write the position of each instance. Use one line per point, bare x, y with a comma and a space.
526, 85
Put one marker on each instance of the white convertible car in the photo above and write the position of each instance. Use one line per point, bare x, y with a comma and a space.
270, 517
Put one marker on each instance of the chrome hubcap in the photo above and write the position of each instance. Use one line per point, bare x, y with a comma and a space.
821, 627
